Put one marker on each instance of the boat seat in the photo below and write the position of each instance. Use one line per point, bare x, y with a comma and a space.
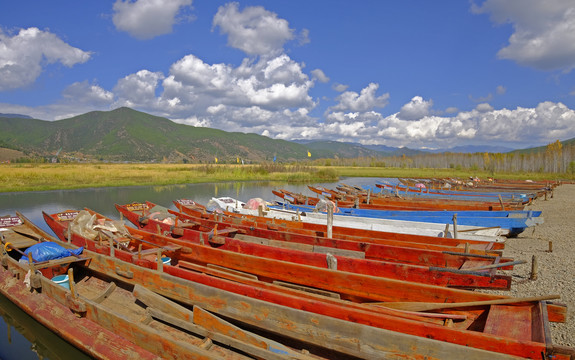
527, 319
55, 262
225, 231
154, 250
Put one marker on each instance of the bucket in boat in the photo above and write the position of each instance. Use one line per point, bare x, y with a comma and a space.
62, 280
167, 260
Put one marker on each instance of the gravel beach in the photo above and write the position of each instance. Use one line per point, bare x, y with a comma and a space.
556, 269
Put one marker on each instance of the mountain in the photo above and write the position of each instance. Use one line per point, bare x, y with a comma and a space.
542, 148
129, 135
329, 149
125, 134
19, 116
471, 149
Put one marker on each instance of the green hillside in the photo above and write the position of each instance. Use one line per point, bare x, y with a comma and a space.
128, 135
537, 149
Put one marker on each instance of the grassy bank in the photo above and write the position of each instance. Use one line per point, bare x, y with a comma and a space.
39, 177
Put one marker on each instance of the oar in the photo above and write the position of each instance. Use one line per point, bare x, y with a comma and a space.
424, 306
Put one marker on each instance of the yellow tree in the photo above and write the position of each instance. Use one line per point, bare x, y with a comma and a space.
554, 153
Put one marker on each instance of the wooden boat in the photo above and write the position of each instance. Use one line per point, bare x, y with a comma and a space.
468, 195
391, 202
364, 235
514, 225
400, 203
492, 328
99, 287
488, 234
104, 318
492, 185
247, 230
480, 277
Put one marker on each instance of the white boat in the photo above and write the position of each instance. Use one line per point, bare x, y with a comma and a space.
397, 226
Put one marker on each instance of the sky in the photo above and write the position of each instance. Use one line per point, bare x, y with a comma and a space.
421, 74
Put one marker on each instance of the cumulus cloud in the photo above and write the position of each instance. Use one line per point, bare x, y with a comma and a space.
255, 30
138, 88
364, 101
521, 127
271, 94
484, 107
416, 109
86, 93
146, 19
23, 56
544, 31
319, 75
340, 87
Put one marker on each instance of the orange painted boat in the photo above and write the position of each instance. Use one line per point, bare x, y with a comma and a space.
411, 203
519, 330
403, 252
223, 239
370, 236
107, 319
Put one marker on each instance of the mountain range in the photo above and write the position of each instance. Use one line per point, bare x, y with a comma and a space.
125, 134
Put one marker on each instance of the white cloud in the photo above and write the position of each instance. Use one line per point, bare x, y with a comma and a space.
146, 19
138, 89
271, 83
22, 56
521, 127
89, 94
303, 37
500, 90
340, 87
484, 107
544, 31
416, 109
319, 75
255, 30
364, 101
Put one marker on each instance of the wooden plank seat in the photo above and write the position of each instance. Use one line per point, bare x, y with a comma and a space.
527, 319
155, 250
61, 261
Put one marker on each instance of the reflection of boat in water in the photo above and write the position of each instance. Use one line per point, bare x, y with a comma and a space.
35, 340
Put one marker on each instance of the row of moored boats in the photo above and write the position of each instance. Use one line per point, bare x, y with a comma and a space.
352, 272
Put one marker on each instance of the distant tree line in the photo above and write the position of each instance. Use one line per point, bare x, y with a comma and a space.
556, 158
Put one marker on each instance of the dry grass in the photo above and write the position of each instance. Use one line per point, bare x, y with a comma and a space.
38, 177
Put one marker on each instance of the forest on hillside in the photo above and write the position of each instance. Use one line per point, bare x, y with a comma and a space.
556, 157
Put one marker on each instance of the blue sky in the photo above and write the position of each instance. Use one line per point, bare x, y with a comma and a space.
421, 74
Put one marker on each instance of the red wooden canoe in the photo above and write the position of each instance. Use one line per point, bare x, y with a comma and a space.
496, 320
371, 236
393, 270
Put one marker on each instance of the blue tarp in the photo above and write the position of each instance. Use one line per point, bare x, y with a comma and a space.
49, 251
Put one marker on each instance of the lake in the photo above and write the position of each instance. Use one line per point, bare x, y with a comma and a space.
21, 337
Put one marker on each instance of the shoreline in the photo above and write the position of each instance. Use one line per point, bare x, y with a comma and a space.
555, 269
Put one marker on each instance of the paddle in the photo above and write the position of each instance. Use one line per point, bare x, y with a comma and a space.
424, 306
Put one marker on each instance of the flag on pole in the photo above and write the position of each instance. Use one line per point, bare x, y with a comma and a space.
274, 158
308, 154
216, 159
238, 160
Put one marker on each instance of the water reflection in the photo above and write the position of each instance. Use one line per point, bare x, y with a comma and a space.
25, 338
31, 340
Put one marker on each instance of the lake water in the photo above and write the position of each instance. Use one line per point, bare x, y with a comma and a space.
21, 337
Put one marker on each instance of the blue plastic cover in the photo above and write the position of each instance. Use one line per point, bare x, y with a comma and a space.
49, 251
